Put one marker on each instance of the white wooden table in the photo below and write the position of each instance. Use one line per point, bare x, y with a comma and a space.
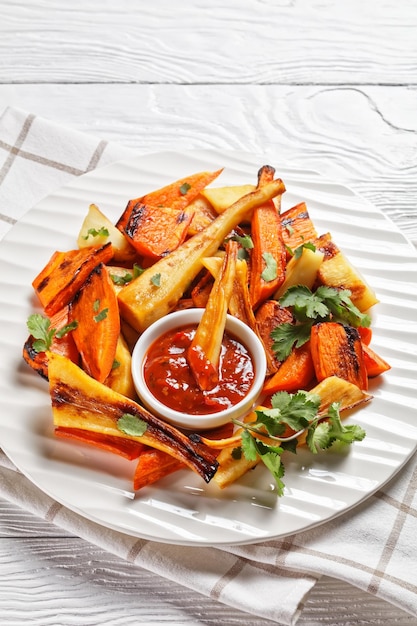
323, 84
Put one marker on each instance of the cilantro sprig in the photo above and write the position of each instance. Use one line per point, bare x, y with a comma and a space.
301, 413
40, 328
308, 308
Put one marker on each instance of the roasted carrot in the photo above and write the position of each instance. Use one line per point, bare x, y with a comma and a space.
96, 310
177, 195
65, 273
155, 231
152, 466
375, 365
366, 334
269, 315
297, 226
204, 351
337, 351
268, 256
296, 372
126, 448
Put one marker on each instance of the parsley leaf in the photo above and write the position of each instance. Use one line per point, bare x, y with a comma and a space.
132, 425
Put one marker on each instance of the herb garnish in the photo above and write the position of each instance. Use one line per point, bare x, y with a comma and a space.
263, 437
40, 328
131, 425
308, 308
93, 232
270, 271
184, 188
156, 280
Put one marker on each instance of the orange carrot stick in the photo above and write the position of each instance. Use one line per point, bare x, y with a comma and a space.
96, 310
337, 351
296, 372
65, 273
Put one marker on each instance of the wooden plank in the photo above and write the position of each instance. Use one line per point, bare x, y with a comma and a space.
252, 42
365, 138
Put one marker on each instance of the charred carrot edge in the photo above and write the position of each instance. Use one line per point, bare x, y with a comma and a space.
155, 231
296, 372
366, 334
96, 311
374, 364
176, 195
337, 351
152, 466
65, 273
126, 448
297, 226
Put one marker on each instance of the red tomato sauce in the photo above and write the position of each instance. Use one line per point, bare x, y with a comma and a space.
171, 381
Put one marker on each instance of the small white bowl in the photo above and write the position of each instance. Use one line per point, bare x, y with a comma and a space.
189, 421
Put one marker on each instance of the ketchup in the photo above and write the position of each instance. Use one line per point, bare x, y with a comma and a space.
170, 379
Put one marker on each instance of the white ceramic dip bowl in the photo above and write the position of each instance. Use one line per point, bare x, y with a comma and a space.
185, 318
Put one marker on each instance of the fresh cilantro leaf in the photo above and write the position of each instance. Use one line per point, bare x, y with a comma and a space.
66, 329
341, 306
286, 336
270, 418
131, 425
115, 364
93, 232
137, 270
245, 241
323, 434
101, 316
39, 327
156, 280
270, 271
300, 412
237, 453
249, 447
299, 251
121, 280
128, 276
96, 306
271, 457
306, 305
184, 188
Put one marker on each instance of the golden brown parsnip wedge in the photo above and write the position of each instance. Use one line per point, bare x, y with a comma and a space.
79, 401
204, 351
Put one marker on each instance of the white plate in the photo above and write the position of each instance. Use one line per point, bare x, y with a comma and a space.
182, 509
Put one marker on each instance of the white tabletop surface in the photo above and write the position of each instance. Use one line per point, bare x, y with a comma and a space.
322, 84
